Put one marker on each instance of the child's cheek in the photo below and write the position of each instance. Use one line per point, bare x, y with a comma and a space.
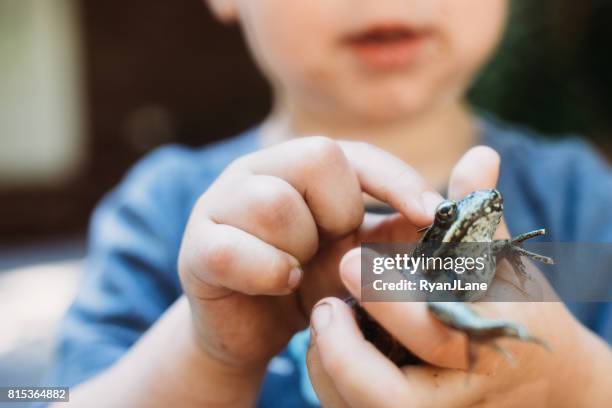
291, 41
473, 29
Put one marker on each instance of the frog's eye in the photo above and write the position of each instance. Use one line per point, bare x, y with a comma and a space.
446, 211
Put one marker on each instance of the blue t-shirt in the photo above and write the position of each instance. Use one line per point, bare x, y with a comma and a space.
130, 276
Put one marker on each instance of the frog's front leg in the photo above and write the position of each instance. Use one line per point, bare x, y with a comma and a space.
528, 235
478, 329
512, 251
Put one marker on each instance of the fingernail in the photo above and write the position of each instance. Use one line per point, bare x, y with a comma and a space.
430, 200
321, 316
295, 277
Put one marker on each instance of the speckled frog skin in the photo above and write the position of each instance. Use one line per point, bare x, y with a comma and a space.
472, 219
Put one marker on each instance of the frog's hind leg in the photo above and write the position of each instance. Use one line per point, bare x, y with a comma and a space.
479, 329
471, 355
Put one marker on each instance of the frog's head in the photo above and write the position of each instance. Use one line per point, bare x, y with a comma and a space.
473, 219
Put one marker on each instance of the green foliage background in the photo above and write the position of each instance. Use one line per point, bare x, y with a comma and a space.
553, 70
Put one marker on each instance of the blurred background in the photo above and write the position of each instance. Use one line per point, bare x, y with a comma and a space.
89, 87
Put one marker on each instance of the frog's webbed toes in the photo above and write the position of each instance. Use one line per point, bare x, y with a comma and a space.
513, 251
531, 255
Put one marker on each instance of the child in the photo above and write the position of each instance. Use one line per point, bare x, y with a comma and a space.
204, 264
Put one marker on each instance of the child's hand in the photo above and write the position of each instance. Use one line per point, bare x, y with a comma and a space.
346, 370
264, 242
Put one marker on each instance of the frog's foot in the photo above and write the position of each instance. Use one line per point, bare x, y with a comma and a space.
512, 251
516, 245
494, 345
481, 330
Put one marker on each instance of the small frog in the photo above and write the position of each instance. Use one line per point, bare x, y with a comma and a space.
472, 219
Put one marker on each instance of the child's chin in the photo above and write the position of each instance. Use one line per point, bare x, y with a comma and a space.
389, 107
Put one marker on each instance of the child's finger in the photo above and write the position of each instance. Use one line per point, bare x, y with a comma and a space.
321, 381
388, 179
318, 169
360, 373
410, 323
387, 228
363, 377
235, 260
477, 169
332, 175
266, 207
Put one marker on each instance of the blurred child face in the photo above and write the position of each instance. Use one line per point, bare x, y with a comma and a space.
369, 59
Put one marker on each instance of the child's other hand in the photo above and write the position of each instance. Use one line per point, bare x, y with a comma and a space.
347, 370
264, 242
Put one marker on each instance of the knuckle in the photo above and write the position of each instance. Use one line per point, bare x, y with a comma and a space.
240, 163
360, 148
273, 203
343, 223
219, 256
325, 150
320, 143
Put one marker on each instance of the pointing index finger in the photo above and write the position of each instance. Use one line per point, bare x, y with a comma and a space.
477, 169
389, 179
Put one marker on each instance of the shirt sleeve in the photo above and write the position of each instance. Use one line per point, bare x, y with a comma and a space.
130, 277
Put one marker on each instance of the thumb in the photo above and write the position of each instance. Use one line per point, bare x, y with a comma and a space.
321, 381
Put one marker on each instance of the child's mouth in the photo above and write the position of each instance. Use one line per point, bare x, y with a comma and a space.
386, 47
